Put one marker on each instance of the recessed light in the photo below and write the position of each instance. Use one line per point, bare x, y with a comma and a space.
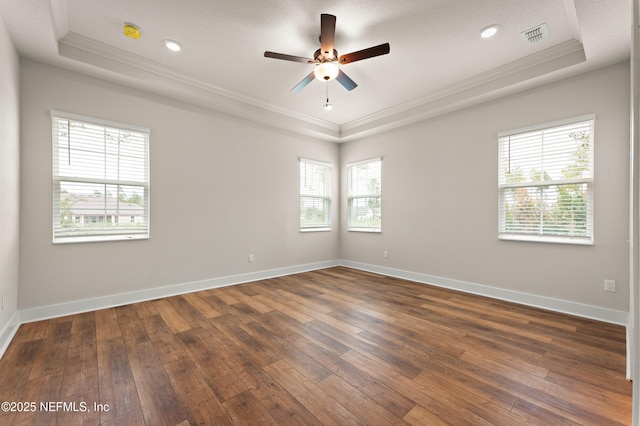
490, 31
173, 46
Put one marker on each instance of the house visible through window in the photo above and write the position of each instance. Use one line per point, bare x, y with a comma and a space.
546, 182
315, 195
101, 179
364, 196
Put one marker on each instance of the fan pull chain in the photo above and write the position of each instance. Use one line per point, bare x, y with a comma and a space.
327, 105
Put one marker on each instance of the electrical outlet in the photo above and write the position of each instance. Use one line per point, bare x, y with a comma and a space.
385, 254
610, 285
251, 258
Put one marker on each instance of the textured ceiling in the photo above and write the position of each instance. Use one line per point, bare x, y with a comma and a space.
437, 62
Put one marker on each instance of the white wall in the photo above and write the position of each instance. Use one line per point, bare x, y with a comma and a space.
440, 196
9, 182
221, 189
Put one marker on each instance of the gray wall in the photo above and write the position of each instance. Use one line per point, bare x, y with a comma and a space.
221, 189
9, 177
440, 196
209, 173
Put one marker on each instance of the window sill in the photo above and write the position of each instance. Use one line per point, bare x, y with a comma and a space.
315, 230
96, 239
547, 239
366, 230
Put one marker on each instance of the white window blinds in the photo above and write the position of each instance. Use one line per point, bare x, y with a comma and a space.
315, 195
364, 195
546, 182
100, 179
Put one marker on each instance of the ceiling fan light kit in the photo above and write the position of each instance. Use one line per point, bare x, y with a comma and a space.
326, 59
326, 71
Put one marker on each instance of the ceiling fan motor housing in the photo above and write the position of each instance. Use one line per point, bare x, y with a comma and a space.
319, 56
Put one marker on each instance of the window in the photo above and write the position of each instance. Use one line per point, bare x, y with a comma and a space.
100, 173
546, 182
315, 196
364, 196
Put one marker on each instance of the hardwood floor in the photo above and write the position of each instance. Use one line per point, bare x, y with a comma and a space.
334, 347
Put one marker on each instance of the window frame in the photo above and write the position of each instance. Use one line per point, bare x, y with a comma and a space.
541, 185
327, 198
351, 197
104, 234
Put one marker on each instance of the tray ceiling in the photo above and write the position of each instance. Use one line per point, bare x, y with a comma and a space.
438, 61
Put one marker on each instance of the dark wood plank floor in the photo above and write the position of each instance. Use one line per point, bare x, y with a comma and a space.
334, 347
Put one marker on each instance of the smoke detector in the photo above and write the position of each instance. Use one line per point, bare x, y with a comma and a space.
535, 34
131, 30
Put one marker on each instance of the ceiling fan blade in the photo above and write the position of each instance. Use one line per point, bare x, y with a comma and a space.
381, 49
275, 55
327, 34
308, 79
346, 81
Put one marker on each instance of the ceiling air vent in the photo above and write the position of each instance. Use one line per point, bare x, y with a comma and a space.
535, 34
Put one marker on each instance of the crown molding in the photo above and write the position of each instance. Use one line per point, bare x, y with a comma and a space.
155, 76
482, 87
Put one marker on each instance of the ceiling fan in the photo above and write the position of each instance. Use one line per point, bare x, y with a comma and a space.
326, 58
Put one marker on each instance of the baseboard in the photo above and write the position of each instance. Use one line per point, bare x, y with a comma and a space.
87, 305
9, 330
549, 303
